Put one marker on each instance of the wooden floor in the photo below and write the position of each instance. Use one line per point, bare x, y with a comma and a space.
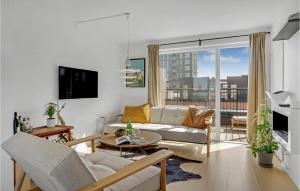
231, 167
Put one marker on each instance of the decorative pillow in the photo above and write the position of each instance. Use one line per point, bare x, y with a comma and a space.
136, 114
196, 117
188, 120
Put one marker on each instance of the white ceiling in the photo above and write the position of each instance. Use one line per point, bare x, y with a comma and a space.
164, 19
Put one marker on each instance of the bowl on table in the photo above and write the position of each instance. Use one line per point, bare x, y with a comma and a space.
120, 132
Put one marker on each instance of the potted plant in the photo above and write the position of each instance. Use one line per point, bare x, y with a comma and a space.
50, 110
263, 144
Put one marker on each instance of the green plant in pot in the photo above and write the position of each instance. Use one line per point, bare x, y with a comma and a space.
264, 146
50, 110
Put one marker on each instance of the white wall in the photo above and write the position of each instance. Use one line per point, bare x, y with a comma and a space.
287, 52
38, 36
0, 95
136, 96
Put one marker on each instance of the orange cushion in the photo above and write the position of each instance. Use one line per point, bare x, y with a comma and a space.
188, 120
136, 114
196, 117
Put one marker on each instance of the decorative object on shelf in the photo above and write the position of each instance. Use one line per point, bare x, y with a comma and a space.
50, 110
120, 132
15, 122
263, 144
135, 75
59, 116
22, 123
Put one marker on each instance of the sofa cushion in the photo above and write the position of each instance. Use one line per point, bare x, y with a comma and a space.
136, 114
196, 117
168, 132
103, 164
173, 116
155, 114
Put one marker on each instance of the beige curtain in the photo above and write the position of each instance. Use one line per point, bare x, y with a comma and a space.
256, 81
154, 78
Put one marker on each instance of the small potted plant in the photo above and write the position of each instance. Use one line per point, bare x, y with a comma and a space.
263, 144
50, 110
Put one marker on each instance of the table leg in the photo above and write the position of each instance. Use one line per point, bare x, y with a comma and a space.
69, 135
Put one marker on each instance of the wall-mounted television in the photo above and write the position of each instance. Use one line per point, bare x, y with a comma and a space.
77, 83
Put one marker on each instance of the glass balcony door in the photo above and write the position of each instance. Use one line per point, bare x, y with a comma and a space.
215, 78
234, 64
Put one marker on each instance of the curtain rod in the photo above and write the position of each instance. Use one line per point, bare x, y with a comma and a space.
207, 39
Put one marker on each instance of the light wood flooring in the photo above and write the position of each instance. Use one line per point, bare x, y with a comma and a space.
231, 167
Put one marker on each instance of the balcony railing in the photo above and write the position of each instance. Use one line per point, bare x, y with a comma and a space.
233, 100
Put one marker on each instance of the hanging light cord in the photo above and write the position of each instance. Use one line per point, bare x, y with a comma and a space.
128, 39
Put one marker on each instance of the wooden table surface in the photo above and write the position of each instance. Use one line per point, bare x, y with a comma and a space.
151, 138
49, 131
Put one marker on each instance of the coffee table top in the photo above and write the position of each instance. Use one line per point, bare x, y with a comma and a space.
151, 138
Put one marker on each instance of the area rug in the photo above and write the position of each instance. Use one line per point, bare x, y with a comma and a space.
175, 173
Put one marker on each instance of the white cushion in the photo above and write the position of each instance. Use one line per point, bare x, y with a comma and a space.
104, 164
52, 166
168, 132
155, 114
173, 116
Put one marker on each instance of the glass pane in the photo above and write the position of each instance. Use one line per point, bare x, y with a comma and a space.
234, 64
189, 78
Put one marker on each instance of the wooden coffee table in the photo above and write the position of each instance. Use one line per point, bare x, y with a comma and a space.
150, 140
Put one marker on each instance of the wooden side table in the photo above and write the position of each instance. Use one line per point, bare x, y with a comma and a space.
43, 132
51, 131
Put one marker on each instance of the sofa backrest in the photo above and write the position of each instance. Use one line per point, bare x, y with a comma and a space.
52, 166
169, 116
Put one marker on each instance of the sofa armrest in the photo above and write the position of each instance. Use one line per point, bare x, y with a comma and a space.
91, 138
158, 157
105, 118
111, 116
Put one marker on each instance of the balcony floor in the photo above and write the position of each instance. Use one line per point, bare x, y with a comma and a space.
236, 136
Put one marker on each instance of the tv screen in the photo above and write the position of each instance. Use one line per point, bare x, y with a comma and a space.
77, 83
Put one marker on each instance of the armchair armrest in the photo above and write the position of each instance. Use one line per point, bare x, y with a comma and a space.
85, 139
158, 157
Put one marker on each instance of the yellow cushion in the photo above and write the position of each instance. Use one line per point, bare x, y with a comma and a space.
136, 114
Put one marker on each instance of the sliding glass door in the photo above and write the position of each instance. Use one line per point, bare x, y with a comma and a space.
215, 78
234, 64
189, 78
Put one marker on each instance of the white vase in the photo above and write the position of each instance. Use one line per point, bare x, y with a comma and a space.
51, 122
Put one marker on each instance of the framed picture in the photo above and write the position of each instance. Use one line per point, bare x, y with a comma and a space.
137, 75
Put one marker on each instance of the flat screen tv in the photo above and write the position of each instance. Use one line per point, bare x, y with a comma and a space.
77, 83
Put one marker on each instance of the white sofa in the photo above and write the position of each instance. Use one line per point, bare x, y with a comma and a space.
168, 123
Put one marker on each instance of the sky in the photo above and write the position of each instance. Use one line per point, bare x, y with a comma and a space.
234, 62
